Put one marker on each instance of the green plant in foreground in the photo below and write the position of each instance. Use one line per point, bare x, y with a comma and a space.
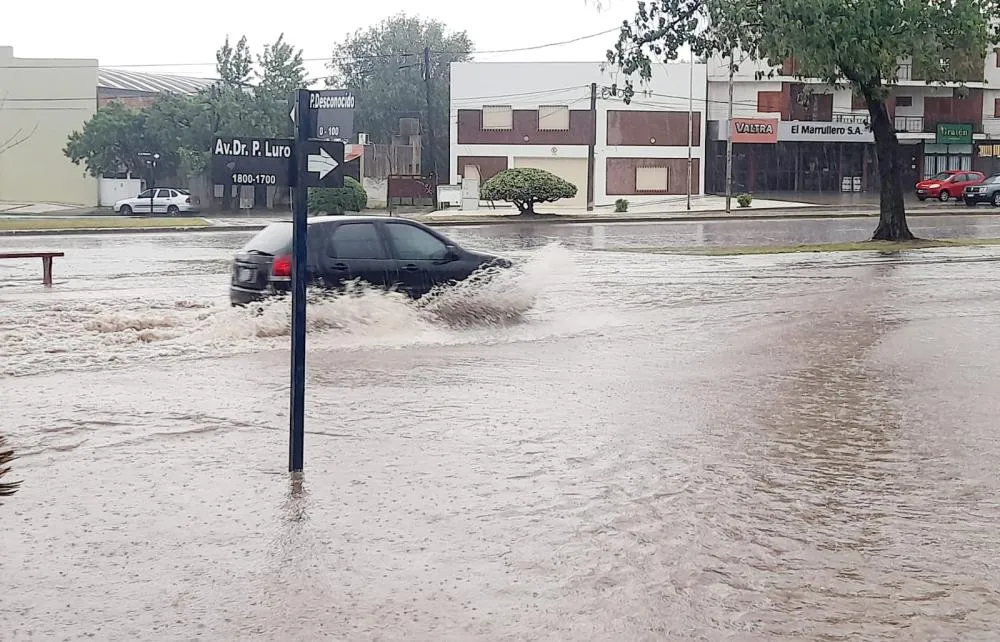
744, 200
6, 456
349, 198
621, 205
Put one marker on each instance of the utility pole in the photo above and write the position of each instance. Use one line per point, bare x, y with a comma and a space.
431, 142
729, 136
591, 147
690, 126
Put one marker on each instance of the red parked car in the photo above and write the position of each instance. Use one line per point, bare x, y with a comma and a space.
949, 184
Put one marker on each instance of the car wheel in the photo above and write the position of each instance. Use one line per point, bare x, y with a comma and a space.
125, 210
996, 199
172, 210
944, 196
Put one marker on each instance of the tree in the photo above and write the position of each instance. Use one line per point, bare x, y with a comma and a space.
352, 197
281, 73
110, 141
383, 67
6, 456
525, 186
857, 43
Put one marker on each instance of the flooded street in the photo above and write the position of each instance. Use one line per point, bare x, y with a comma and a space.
656, 447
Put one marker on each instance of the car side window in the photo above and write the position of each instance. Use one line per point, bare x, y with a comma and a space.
414, 244
173, 194
163, 193
147, 194
356, 241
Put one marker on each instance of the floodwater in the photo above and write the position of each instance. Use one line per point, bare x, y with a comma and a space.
601, 446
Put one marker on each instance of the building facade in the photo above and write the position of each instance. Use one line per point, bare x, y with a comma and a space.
140, 90
43, 101
567, 118
801, 135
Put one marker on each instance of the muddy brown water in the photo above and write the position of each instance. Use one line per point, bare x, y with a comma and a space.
793, 447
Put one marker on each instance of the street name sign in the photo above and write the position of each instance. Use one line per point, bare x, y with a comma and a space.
253, 161
331, 115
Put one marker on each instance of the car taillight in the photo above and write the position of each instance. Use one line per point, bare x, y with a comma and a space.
282, 266
187, 199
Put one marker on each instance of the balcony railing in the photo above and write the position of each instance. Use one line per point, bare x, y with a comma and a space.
853, 119
909, 124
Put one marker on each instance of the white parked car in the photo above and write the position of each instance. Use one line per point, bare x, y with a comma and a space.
160, 200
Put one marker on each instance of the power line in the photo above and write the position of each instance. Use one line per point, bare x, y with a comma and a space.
371, 57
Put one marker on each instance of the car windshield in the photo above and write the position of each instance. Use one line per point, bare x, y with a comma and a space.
274, 238
183, 191
943, 176
993, 179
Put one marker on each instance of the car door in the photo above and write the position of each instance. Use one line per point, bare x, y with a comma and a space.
423, 258
354, 250
161, 201
141, 203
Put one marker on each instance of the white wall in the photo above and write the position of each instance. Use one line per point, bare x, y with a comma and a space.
44, 101
529, 85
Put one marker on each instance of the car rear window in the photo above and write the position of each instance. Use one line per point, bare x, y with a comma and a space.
273, 239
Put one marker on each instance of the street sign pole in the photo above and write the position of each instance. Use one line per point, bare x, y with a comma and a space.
297, 428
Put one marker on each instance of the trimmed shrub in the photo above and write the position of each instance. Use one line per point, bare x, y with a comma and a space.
525, 186
621, 205
349, 198
744, 200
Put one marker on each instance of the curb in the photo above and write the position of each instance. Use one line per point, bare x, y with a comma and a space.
714, 216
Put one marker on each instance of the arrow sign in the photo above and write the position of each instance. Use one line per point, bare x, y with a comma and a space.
322, 163
324, 166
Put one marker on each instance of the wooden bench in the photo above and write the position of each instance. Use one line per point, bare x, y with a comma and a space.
46, 262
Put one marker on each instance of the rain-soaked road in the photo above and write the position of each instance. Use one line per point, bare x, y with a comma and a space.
792, 447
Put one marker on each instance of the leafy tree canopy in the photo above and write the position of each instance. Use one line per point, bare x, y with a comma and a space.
248, 100
382, 66
526, 186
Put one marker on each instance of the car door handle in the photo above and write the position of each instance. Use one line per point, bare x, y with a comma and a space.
409, 267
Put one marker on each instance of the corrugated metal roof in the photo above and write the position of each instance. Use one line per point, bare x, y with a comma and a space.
158, 83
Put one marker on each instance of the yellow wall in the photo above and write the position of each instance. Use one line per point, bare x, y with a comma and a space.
33, 106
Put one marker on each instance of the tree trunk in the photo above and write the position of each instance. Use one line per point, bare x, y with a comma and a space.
892, 215
525, 209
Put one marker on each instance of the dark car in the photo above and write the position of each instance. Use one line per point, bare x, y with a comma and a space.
986, 192
391, 253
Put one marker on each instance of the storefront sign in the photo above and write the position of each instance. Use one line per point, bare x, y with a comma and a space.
954, 134
754, 130
824, 132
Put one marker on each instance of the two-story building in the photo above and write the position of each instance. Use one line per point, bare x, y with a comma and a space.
802, 135
565, 118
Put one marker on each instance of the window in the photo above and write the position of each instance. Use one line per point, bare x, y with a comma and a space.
904, 101
414, 244
651, 179
858, 103
163, 193
356, 241
769, 102
998, 57
147, 194
498, 117
553, 117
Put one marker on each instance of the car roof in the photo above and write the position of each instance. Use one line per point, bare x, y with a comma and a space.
358, 218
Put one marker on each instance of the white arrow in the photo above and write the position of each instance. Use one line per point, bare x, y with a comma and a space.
292, 114
322, 163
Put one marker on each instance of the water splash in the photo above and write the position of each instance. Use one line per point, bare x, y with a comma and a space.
83, 333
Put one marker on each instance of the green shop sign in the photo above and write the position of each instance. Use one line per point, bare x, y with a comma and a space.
954, 134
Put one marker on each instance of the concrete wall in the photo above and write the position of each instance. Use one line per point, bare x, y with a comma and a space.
529, 85
42, 101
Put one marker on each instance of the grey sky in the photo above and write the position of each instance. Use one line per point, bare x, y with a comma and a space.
189, 31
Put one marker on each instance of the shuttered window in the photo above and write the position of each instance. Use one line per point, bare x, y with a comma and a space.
651, 179
498, 117
553, 117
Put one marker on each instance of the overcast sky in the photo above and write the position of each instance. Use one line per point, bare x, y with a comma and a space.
187, 32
